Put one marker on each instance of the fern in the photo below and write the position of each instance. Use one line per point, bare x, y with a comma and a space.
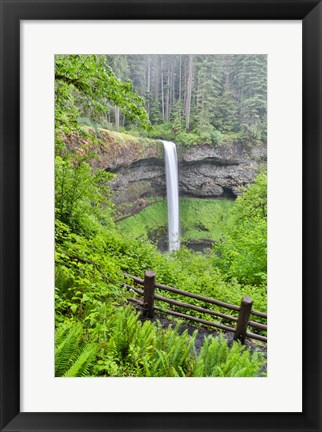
131, 348
216, 359
73, 356
67, 341
83, 362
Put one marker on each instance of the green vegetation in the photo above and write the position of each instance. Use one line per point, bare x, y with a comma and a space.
243, 254
89, 267
133, 348
80, 194
190, 99
199, 219
89, 291
73, 354
143, 224
97, 332
85, 84
204, 219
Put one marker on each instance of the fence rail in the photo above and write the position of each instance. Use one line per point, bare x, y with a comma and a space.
242, 321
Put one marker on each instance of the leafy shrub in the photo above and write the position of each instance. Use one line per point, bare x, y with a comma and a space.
187, 139
80, 193
216, 137
205, 134
243, 253
163, 131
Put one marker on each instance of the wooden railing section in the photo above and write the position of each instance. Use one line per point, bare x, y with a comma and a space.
241, 322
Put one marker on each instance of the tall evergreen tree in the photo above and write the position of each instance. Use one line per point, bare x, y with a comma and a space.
202, 94
189, 91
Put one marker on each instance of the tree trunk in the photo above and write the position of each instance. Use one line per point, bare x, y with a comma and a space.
162, 90
156, 76
167, 97
117, 117
189, 92
180, 77
173, 84
148, 85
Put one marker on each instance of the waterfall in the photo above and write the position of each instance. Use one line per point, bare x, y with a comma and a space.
171, 170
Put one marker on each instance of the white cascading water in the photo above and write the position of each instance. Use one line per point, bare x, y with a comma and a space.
171, 171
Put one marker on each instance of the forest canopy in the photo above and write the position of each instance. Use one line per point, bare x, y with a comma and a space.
195, 98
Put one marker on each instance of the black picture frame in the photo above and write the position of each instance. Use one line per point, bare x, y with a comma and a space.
12, 12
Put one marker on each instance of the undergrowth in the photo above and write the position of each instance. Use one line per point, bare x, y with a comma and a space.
136, 349
199, 219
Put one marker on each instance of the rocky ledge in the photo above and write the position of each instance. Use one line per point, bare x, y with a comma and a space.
205, 171
209, 172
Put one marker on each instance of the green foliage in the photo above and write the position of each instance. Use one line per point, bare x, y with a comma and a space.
228, 95
89, 274
205, 134
200, 219
163, 131
209, 86
143, 349
133, 348
89, 266
204, 219
251, 80
194, 272
253, 202
243, 253
148, 220
80, 194
73, 356
84, 87
88, 277
113, 252
217, 360
91, 76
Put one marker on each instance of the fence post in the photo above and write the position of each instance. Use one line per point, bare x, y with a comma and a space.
149, 287
243, 319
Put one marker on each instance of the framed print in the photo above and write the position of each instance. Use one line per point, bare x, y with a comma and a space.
94, 96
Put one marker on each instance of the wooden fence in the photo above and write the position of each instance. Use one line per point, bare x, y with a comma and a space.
241, 322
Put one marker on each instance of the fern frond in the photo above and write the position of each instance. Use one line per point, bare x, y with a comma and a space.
81, 365
67, 341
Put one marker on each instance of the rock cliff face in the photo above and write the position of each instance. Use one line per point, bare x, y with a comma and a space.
204, 171
136, 182
210, 172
